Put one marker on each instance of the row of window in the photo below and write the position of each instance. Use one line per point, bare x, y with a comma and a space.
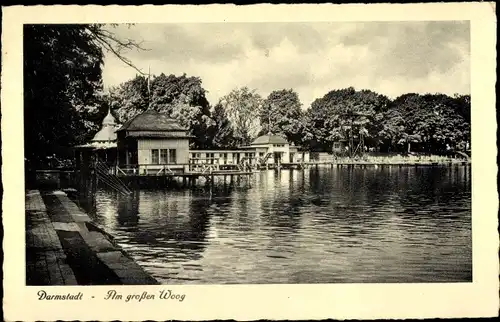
163, 156
225, 155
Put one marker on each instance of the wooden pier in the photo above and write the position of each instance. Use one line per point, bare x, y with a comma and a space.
358, 163
178, 175
126, 178
187, 180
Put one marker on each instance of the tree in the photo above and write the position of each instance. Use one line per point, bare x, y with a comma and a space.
181, 97
432, 123
129, 98
192, 117
347, 115
281, 113
398, 127
62, 76
221, 131
463, 109
167, 92
463, 106
63, 102
242, 107
165, 89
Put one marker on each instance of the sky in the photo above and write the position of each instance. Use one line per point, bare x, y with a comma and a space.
391, 58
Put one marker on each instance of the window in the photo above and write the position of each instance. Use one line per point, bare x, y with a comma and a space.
163, 156
210, 157
336, 145
261, 154
172, 156
196, 157
154, 156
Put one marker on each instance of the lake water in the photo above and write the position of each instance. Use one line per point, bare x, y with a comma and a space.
319, 225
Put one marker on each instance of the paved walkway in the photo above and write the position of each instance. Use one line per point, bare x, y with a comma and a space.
64, 247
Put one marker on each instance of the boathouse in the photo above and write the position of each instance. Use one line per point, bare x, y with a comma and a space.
153, 142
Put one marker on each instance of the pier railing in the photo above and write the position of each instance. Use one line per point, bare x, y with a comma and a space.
149, 169
200, 168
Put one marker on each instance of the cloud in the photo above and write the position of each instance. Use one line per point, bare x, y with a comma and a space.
391, 58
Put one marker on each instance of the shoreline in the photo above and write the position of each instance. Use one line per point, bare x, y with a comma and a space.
391, 162
64, 246
365, 163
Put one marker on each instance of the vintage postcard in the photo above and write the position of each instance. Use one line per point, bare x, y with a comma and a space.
257, 162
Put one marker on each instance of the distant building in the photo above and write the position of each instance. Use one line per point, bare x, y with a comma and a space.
276, 149
266, 149
340, 147
276, 146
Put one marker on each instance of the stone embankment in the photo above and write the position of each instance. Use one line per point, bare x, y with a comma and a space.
64, 247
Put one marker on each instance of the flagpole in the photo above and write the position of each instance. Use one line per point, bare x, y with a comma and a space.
149, 86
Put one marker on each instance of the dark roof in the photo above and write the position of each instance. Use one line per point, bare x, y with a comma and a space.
269, 139
152, 121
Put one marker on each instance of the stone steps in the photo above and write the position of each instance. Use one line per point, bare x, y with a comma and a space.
62, 250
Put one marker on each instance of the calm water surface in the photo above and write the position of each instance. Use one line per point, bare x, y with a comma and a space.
320, 225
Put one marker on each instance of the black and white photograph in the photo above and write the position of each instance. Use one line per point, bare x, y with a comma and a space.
237, 153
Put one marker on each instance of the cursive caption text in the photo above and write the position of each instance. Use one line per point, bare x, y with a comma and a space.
113, 295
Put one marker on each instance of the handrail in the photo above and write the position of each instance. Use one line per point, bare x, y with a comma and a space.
137, 165
106, 175
119, 169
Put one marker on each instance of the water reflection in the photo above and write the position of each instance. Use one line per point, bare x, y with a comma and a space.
320, 225
128, 210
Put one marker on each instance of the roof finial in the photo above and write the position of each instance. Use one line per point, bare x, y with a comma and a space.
109, 104
109, 119
269, 121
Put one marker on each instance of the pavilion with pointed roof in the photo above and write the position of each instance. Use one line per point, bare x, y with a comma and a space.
104, 143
